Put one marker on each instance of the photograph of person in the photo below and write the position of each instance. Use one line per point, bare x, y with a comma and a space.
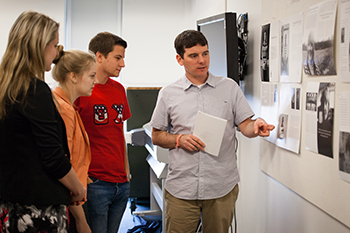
285, 50
264, 53
292, 101
311, 101
325, 111
310, 66
318, 56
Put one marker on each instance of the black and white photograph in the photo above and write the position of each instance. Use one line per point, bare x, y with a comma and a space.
285, 34
318, 56
292, 101
297, 98
311, 101
344, 152
282, 126
325, 113
264, 53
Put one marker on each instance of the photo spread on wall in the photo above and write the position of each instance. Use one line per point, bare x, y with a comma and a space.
284, 50
318, 39
291, 29
319, 117
289, 123
281, 105
306, 101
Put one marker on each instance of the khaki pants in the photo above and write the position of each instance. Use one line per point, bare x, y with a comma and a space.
182, 216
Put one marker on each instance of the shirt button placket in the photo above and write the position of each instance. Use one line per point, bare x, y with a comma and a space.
200, 100
201, 154
201, 174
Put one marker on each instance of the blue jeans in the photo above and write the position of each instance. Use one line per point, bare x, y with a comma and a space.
106, 205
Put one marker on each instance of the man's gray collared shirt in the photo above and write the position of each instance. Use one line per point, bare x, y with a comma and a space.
199, 175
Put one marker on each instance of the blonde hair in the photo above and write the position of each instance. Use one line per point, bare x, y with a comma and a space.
72, 60
24, 58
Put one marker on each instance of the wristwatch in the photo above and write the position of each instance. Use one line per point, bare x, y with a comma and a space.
129, 176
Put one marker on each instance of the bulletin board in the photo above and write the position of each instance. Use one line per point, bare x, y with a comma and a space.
313, 176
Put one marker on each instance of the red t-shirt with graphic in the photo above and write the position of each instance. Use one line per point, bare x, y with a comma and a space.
103, 114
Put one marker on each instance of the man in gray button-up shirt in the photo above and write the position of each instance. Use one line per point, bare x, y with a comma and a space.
199, 183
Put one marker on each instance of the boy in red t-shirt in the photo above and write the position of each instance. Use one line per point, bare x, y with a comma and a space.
103, 114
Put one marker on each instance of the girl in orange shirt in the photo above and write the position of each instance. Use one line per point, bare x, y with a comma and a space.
75, 72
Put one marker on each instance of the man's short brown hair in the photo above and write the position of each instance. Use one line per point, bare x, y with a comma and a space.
188, 39
104, 43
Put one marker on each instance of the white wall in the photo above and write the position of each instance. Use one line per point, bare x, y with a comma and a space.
86, 18
10, 10
150, 28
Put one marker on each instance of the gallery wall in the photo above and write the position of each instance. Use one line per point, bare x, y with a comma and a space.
310, 174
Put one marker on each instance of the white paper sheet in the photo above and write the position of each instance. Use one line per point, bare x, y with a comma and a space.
210, 129
281, 106
344, 61
289, 121
269, 107
291, 29
274, 51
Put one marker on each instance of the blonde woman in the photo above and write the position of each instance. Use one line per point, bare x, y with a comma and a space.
75, 72
37, 181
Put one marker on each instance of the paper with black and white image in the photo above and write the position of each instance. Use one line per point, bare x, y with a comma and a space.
344, 136
318, 39
291, 30
281, 106
210, 130
319, 117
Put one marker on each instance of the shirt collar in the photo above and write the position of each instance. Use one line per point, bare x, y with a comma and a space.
187, 84
59, 92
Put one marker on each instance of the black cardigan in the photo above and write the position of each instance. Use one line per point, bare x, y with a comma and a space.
33, 149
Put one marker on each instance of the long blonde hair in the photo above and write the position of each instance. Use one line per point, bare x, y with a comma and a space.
24, 57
